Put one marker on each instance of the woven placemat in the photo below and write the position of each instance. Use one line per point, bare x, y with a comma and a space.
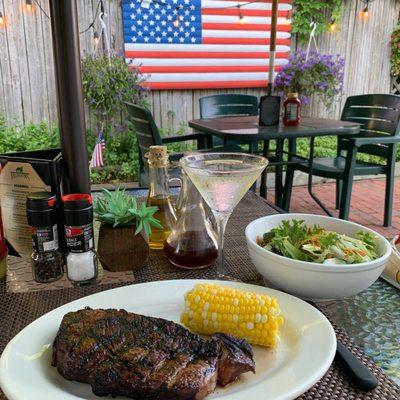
19, 309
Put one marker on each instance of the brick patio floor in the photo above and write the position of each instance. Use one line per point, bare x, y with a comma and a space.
367, 203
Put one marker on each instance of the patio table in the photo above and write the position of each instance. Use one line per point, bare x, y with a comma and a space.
247, 129
367, 323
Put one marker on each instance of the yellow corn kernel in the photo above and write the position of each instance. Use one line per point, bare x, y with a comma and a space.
211, 308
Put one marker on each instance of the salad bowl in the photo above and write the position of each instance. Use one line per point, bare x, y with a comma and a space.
311, 280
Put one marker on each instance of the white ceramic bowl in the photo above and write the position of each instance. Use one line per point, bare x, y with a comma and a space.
310, 280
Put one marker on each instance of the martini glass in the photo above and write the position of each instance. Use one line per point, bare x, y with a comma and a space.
223, 179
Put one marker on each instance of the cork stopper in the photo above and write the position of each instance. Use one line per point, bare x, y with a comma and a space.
157, 156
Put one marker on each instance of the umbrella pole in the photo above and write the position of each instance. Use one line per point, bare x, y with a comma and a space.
71, 114
272, 47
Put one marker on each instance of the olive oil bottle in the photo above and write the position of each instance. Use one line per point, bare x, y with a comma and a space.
159, 195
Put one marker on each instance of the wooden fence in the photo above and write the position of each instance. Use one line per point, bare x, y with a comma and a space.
27, 88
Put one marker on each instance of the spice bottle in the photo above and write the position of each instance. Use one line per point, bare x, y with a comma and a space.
78, 226
47, 260
3, 251
291, 106
159, 195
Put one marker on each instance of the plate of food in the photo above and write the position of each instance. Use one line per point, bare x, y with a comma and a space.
181, 340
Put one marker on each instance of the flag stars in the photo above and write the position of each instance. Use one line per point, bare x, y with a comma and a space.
193, 40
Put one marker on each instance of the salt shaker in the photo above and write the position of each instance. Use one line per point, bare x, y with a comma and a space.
81, 259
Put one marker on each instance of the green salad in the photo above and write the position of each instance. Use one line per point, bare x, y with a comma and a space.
294, 239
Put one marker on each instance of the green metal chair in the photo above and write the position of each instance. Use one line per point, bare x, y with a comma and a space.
379, 118
227, 105
148, 135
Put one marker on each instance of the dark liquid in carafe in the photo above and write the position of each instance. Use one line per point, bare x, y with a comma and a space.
194, 249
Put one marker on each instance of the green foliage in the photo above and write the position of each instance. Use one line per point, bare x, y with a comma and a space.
395, 51
27, 137
121, 158
108, 81
120, 209
320, 11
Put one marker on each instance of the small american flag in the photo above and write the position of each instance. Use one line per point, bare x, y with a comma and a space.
97, 156
204, 44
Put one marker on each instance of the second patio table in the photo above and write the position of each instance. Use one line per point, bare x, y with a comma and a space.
246, 129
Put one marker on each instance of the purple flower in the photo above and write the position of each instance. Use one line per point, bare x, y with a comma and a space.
320, 74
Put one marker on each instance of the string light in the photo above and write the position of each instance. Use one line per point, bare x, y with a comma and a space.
176, 22
365, 14
28, 6
333, 26
179, 18
242, 19
2, 20
96, 38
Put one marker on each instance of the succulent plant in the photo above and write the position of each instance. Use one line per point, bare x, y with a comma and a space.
120, 209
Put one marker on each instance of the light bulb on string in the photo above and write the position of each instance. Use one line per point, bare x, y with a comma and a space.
242, 19
288, 19
177, 22
96, 38
28, 6
2, 20
364, 13
333, 26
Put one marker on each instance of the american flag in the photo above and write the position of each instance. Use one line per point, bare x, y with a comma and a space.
201, 44
97, 156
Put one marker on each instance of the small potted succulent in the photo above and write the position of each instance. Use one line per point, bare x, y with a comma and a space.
124, 230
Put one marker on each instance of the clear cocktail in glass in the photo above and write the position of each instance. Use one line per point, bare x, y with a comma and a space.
223, 179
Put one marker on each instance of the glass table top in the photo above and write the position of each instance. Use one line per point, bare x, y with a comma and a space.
372, 320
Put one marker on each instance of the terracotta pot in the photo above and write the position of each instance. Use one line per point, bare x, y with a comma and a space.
119, 249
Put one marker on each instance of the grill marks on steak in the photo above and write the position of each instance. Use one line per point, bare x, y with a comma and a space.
121, 353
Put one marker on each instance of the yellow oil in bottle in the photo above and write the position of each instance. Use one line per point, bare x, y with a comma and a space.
166, 216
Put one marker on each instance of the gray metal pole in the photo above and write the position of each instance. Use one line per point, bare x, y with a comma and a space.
71, 114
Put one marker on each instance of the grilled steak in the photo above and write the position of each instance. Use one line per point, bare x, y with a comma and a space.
126, 354
235, 358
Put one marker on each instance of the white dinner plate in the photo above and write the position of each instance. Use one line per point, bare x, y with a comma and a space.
304, 354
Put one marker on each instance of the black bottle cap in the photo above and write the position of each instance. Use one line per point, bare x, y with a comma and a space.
40, 209
78, 209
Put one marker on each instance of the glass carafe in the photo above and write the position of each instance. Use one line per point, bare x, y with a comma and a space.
159, 195
192, 243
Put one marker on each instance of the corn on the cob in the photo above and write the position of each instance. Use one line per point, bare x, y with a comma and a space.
211, 308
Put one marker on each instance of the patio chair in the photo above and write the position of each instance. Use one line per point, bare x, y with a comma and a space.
227, 105
379, 118
148, 135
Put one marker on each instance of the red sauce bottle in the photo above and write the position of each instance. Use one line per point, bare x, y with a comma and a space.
291, 105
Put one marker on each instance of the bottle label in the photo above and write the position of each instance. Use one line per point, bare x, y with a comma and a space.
79, 238
45, 238
291, 112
